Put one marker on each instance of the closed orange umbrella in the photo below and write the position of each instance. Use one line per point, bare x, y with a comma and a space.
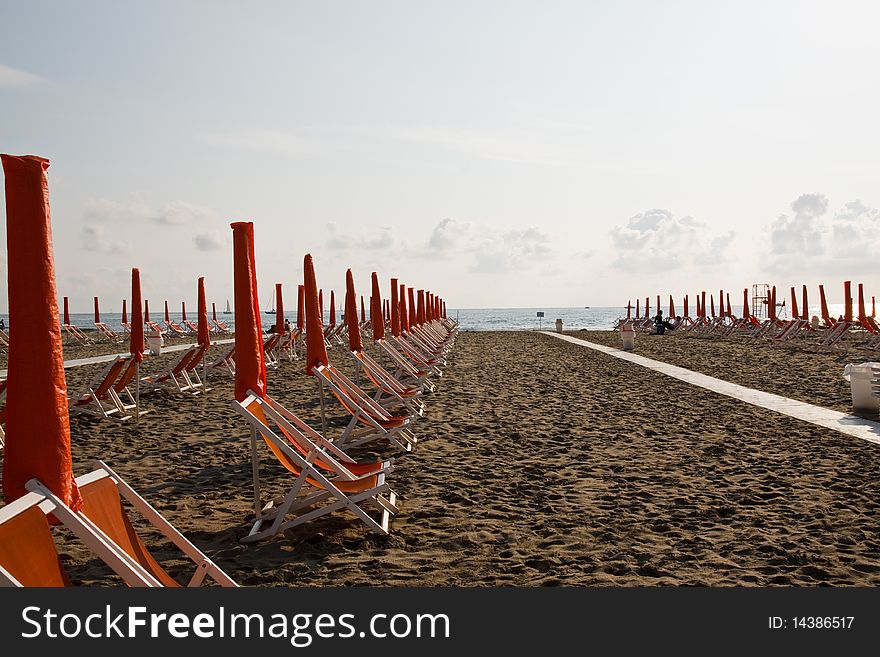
862, 314
638, 310
395, 309
204, 335
124, 313
316, 348
413, 319
363, 311
321, 306
213, 311
404, 317
712, 305
37, 421
376, 311
250, 363
146, 310
729, 311
300, 306
773, 303
794, 308
136, 336
355, 343
847, 301
647, 307
66, 311
279, 310
805, 308
746, 313
703, 305
671, 307
420, 308
332, 308
824, 305
167, 314
658, 303
97, 312
183, 311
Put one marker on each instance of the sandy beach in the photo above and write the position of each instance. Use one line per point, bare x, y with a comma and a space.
539, 463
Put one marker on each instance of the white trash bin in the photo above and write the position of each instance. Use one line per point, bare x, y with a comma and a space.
628, 335
860, 376
155, 342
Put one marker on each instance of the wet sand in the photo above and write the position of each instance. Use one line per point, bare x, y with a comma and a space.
539, 463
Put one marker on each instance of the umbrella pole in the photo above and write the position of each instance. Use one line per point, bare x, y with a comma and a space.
137, 391
323, 416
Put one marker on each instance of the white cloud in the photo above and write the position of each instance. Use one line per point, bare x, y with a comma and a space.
137, 211
845, 244
95, 237
800, 233
209, 241
492, 250
657, 238
371, 240
13, 78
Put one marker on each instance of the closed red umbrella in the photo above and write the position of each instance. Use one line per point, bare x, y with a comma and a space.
279, 310
300, 307
363, 312
395, 309
671, 307
124, 313
250, 364
332, 308
351, 319
805, 308
772, 308
420, 310
410, 295
66, 311
183, 311
404, 316
167, 314
847, 301
97, 312
862, 313
321, 306
136, 336
37, 421
204, 335
794, 307
746, 313
712, 304
376, 311
146, 310
316, 348
824, 305
213, 311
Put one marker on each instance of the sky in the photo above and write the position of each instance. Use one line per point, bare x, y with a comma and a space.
498, 153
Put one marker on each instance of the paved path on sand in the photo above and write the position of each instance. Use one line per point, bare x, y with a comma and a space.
823, 417
106, 358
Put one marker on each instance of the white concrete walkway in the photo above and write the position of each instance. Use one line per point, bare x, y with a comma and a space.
823, 417
106, 358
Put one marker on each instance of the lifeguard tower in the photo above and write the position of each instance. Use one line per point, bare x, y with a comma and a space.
760, 300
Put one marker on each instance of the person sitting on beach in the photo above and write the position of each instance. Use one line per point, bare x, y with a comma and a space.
659, 324
674, 324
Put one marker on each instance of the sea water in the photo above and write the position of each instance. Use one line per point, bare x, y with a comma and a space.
469, 319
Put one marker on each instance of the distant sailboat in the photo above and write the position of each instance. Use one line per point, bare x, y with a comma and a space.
228, 311
271, 311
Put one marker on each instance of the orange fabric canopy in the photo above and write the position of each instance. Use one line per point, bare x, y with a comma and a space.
136, 336
204, 335
404, 316
279, 310
351, 319
395, 309
376, 311
37, 421
316, 348
250, 363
